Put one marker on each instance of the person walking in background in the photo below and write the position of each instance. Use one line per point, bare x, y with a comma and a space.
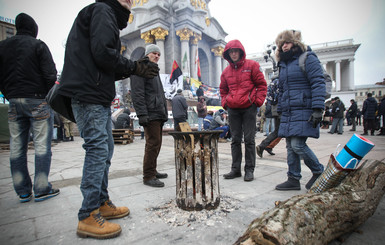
381, 113
353, 113
179, 109
243, 89
151, 108
202, 112
300, 119
338, 109
92, 64
369, 110
272, 139
27, 72
68, 127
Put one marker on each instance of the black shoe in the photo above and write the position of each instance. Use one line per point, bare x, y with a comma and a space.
161, 175
259, 150
249, 176
71, 138
154, 183
232, 175
364, 134
290, 184
311, 181
352, 130
270, 151
43, 197
330, 132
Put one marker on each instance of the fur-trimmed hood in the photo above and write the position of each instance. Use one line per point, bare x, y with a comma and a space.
291, 36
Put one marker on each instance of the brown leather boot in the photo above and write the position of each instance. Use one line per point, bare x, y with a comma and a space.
109, 211
97, 227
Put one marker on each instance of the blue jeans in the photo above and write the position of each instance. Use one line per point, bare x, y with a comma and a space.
95, 128
27, 115
242, 122
297, 149
200, 123
225, 130
269, 122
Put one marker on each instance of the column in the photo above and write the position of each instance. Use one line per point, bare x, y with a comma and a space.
184, 35
351, 74
147, 37
160, 35
194, 49
338, 75
218, 51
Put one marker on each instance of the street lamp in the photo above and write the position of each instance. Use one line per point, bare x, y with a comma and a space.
268, 56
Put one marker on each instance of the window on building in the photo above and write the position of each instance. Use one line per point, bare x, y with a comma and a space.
360, 93
373, 93
380, 93
9, 32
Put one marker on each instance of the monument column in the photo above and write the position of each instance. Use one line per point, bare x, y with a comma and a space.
194, 49
338, 75
218, 51
351, 74
184, 35
160, 35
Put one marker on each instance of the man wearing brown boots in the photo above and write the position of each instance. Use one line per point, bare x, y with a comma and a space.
92, 63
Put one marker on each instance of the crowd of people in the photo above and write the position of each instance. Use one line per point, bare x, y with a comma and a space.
93, 45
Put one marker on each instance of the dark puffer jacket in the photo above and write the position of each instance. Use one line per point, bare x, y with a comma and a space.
26, 64
369, 108
148, 98
93, 61
299, 95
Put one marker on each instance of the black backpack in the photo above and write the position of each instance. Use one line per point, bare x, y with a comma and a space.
328, 80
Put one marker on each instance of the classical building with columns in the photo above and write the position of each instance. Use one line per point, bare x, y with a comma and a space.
338, 60
182, 29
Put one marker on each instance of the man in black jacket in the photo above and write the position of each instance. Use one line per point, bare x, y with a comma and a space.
151, 108
92, 63
179, 109
338, 109
27, 72
369, 110
352, 114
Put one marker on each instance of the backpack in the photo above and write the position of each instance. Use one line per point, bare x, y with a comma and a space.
328, 80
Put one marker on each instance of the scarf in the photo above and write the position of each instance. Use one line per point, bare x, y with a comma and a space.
121, 13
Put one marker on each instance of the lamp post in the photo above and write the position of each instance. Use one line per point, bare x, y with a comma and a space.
268, 56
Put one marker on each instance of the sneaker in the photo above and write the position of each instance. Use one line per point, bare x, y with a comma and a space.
97, 227
42, 197
25, 198
290, 184
249, 176
232, 175
311, 181
270, 151
259, 151
109, 211
154, 183
161, 175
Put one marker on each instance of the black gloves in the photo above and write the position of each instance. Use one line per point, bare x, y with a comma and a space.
145, 68
316, 117
143, 121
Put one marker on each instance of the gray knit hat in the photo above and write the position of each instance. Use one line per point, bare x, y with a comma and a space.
152, 48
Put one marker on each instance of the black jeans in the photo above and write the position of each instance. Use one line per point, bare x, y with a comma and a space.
243, 121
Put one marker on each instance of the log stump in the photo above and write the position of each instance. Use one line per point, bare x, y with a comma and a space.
197, 170
319, 218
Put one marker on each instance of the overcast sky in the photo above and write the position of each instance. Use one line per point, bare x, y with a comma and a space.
255, 23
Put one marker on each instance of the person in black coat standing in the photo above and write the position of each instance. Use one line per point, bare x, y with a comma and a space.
352, 114
27, 72
151, 108
92, 64
179, 109
369, 110
381, 112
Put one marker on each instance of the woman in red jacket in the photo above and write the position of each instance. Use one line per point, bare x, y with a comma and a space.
243, 89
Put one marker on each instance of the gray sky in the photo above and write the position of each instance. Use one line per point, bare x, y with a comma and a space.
255, 23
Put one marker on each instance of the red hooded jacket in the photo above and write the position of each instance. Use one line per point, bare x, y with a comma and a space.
242, 83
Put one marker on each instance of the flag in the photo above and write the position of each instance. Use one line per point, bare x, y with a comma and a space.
184, 62
198, 66
175, 72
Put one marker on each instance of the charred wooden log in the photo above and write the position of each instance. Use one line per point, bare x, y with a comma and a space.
318, 218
